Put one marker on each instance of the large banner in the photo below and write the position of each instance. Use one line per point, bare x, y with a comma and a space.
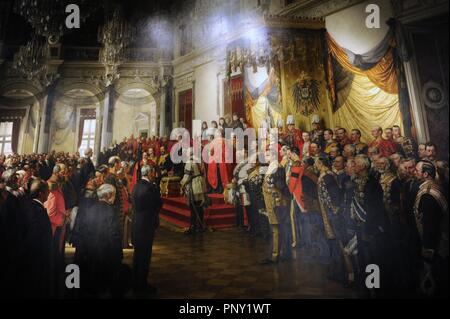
301, 59
262, 97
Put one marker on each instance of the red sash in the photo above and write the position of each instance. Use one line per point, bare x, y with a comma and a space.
295, 184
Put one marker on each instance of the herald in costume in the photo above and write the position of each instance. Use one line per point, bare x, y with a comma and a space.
194, 187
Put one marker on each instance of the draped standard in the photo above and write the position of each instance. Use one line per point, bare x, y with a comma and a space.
364, 98
363, 105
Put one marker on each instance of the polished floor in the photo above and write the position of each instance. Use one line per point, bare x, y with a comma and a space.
225, 265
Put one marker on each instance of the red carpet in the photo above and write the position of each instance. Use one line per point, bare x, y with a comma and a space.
218, 216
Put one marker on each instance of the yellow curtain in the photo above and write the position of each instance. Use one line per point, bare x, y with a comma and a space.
383, 74
364, 105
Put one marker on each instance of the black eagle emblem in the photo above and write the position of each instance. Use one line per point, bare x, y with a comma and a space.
305, 93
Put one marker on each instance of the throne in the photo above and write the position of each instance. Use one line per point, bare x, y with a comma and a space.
170, 186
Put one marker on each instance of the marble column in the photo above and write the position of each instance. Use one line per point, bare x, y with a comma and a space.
98, 133
162, 112
107, 121
45, 121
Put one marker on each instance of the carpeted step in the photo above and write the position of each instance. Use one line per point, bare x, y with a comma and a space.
219, 215
221, 209
216, 199
180, 202
175, 212
175, 221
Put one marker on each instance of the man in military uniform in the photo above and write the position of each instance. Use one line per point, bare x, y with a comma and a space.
311, 225
367, 210
276, 198
330, 199
391, 192
294, 181
339, 170
386, 147
330, 143
293, 136
360, 148
240, 175
431, 211
316, 133
349, 151
404, 144
256, 211
165, 164
422, 151
342, 138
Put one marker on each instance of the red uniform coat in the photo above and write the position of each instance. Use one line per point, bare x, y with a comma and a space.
56, 208
225, 169
386, 148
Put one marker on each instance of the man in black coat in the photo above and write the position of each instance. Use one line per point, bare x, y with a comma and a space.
87, 170
35, 252
101, 244
146, 200
45, 168
10, 231
432, 220
368, 211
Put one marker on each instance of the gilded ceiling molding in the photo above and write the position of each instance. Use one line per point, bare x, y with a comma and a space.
317, 8
294, 22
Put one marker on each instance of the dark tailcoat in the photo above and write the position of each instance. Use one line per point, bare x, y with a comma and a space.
146, 200
45, 172
87, 171
101, 245
35, 259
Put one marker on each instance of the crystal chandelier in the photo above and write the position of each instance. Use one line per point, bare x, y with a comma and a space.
31, 59
115, 36
47, 17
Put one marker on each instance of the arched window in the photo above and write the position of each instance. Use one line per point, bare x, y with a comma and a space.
6, 132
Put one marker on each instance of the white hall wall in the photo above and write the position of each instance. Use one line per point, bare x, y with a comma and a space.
207, 107
348, 27
124, 119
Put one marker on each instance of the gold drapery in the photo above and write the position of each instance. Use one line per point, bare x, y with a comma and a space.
364, 105
383, 74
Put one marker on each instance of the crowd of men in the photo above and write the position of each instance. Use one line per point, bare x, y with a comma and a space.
328, 194
49, 200
350, 204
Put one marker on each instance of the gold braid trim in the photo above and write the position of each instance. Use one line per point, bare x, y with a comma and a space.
432, 189
323, 210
